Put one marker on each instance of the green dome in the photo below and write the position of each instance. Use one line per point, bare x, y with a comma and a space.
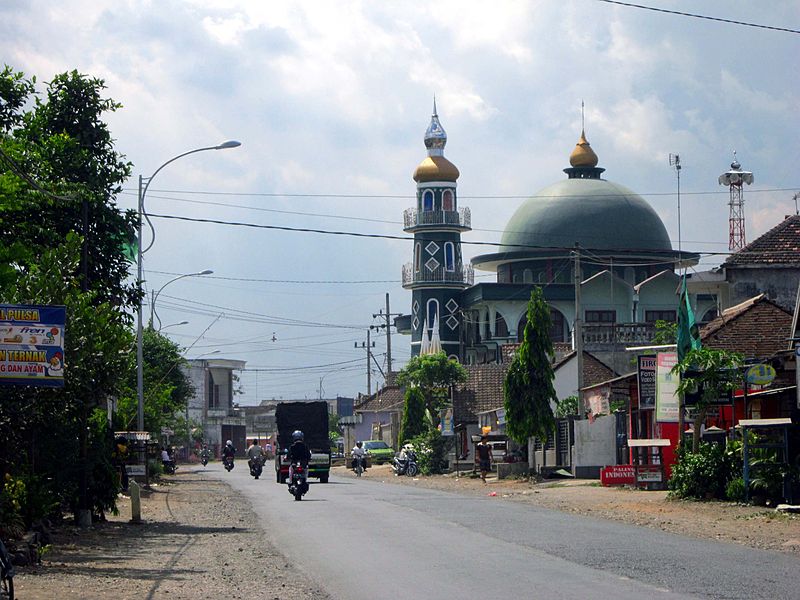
598, 214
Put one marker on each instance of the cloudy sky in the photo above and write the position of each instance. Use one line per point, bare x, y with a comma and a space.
331, 99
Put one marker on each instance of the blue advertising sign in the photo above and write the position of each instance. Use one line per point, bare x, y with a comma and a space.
32, 345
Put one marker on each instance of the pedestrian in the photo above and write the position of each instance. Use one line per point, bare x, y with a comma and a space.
119, 458
483, 455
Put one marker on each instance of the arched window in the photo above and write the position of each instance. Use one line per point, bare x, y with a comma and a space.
417, 256
556, 326
449, 257
521, 328
433, 313
527, 276
427, 201
447, 200
515, 278
500, 326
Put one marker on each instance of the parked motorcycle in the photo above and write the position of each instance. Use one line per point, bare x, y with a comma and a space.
227, 461
298, 481
256, 466
7, 573
405, 464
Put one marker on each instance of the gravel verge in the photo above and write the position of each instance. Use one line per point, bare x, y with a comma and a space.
199, 539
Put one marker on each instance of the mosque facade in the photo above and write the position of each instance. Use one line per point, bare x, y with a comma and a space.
626, 267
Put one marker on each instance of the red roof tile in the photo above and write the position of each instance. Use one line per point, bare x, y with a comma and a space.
778, 246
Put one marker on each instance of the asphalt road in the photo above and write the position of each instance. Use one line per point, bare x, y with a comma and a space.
360, 539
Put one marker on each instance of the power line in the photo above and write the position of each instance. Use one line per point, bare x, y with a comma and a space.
632, 251
696, 16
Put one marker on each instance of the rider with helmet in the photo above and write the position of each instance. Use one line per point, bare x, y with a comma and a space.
298, 451
358, 453
228, 451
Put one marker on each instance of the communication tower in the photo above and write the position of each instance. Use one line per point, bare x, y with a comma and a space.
735, 178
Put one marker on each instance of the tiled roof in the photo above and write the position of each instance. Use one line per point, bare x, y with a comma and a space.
594, 370
758, 328
483, 391
388, 398
779, 246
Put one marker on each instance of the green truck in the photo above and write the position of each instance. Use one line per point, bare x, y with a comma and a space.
312, 419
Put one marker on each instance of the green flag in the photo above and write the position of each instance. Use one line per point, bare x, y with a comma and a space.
130, 246
688, 331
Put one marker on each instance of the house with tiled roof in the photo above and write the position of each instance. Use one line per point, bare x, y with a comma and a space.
758, 328
377, 417
768, 265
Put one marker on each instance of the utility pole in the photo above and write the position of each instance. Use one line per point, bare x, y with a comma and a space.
577, 324
387, 315
368, 346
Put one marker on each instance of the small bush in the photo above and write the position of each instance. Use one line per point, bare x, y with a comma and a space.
431, 448
735, 490
703, 474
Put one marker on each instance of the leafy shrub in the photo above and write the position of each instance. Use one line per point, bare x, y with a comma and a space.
431, 448
735, 490
702, 474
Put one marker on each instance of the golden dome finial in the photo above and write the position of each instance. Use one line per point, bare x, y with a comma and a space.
583, 155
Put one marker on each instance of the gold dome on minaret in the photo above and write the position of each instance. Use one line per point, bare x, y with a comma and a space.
583, 155
435, 167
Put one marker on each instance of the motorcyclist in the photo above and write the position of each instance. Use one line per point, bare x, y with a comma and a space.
205, 453
228, 451
298, 451
358, 453
254, 453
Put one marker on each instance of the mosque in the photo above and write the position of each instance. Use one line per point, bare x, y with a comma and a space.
626, 266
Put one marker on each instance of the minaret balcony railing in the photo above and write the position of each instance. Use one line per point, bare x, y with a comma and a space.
459, 219
462, 275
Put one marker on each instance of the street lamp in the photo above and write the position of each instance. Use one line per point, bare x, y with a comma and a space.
155, 295
173, 325
144, 184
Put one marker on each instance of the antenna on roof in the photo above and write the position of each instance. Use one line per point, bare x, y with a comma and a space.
583, 123
675, 161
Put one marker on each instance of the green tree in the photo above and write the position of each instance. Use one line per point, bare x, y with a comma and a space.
433, 374
60, 234
63, 175
413, 422
528, 386
712, 373
167, 388
666, 332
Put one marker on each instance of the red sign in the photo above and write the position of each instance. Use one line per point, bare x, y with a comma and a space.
618, 475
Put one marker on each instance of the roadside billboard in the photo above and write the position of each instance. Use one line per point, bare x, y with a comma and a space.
32, 345
666, 388
646, 377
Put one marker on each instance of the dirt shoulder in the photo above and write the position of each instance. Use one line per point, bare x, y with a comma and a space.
752, 526
198, 540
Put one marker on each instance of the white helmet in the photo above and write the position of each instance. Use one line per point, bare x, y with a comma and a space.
229, 443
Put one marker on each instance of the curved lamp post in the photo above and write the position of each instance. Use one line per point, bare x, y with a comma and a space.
144, 184
173, 325
153, 312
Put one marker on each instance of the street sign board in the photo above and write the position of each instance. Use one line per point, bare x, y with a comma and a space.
618, 475
666, 388
32, 345
760, 374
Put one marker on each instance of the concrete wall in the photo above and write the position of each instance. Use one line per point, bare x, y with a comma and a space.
779, 284
595, 445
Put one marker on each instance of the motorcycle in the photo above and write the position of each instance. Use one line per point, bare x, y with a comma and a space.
298, 482
169, 467
358, 465
406, 466
204, 460
7, 573
227, 461
256, 466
